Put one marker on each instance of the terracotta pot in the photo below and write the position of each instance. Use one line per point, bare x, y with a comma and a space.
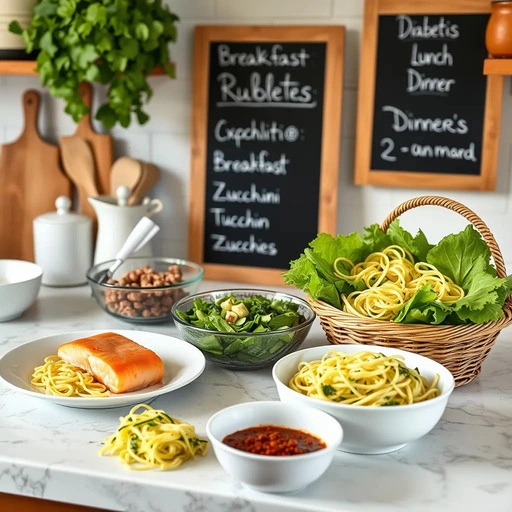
11, 45
498, 36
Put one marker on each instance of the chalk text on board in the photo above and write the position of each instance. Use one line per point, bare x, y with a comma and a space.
411, 29
221, 243
255, 164
250, 219
262, 131
261, 57
403, 122
264, 92
223, 194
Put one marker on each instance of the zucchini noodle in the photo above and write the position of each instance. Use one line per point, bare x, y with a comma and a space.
152, 439
392, 278
56, 377
363, 378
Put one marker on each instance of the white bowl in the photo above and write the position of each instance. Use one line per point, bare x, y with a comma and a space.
371, 430
20, 282
270, 473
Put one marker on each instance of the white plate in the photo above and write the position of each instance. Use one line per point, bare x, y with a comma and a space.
183, 363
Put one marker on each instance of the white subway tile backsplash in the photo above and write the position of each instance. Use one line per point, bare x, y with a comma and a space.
273, 8
348, 8
187, 9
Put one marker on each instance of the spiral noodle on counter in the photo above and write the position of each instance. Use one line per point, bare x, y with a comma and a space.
392, 278
56, 377
152, 439
363, 378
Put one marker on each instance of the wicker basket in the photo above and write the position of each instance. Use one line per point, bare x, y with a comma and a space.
460, 348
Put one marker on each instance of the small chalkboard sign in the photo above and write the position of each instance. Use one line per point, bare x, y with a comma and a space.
427, 115
265, 146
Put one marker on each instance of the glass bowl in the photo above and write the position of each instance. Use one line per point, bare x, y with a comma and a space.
244, 350
144, 289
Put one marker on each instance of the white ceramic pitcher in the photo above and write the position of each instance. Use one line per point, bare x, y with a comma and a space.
116, 222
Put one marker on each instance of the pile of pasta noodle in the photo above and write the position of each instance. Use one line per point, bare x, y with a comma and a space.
149, 438
363, 378
391, 277
58, 378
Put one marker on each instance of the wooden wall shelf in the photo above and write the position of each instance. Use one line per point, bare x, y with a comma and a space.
498, 67
28, 67
17, 67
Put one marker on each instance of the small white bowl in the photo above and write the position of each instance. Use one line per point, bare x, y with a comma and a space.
20, 282
371, 430
269, 473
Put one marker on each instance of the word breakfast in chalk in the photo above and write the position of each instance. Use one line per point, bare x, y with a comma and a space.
262, 57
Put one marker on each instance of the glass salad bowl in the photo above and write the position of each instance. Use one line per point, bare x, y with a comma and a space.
243, 329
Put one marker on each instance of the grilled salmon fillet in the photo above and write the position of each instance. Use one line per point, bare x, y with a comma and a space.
116, 361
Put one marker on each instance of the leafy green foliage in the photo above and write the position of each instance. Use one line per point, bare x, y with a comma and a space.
114, 42
463, 257
264, 316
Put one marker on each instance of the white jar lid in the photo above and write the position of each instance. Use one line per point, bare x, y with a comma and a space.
62, 215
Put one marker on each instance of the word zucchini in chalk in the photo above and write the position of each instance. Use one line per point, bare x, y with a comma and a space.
257, 163
221, 243
264, 92
253, 194
250, 219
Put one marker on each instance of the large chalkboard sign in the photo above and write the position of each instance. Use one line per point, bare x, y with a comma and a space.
434, 115
266, 136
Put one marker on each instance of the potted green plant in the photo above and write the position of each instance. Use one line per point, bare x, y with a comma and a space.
117, 43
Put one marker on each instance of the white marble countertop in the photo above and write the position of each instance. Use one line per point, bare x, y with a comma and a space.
48, 451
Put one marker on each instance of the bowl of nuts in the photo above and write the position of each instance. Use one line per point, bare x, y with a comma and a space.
144, 289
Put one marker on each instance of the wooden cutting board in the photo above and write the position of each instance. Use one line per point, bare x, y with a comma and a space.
102, 145
31, 180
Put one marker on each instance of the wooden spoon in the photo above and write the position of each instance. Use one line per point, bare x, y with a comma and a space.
150, 176
125, 172
78, 163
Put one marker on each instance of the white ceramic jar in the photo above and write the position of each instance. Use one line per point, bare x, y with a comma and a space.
63, 245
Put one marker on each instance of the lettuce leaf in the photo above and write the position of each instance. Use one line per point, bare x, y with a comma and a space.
422, 308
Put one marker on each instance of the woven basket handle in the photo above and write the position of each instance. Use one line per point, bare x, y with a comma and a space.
459, 208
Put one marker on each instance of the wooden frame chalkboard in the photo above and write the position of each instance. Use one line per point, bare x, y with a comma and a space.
433, 135
266, 127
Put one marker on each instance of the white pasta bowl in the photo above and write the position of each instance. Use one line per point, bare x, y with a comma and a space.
371, 430
20, 282
269, 473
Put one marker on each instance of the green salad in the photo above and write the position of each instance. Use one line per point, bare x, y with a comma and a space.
230, 314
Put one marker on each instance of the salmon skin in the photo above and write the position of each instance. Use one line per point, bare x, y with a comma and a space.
116, 361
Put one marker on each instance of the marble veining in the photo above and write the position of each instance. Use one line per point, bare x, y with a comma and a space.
49, 451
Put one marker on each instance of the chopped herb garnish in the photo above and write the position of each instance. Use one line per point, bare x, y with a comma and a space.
328, 390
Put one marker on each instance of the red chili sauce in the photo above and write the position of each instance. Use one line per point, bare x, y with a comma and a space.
272, 440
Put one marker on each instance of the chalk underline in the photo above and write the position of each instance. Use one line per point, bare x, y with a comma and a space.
265, 105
